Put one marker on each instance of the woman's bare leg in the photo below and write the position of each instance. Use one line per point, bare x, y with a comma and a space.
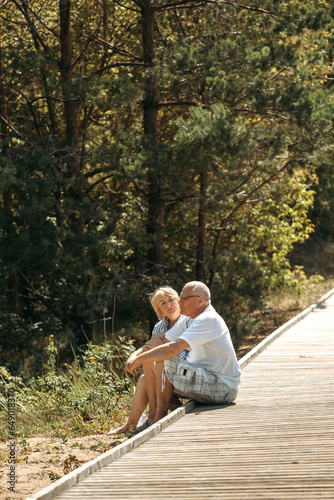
138, 405
150, 384
164, 394
175, 403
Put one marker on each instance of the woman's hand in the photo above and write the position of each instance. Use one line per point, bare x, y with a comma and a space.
150, 344
158, 339
160, 335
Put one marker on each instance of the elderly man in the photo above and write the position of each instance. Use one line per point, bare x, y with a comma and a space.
211, 373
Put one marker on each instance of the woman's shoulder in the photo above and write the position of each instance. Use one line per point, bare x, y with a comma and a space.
161, 326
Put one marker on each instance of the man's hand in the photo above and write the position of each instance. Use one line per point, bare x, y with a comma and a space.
133, 365
129, 361
160, 353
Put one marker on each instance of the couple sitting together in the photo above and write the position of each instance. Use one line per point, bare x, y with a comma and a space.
190, 354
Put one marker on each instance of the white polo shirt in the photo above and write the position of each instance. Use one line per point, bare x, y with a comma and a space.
210, 345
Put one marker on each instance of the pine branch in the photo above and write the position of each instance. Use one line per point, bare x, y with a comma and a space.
95, 172
118, 50
276, 74
183, 4
139, 3
127, 7
47, 301
246, 7
139, 189
178, 103
41, 22
13, 128
90, 39
93, 120
32, 28
242, 183
254, 190
102, 179
118, 65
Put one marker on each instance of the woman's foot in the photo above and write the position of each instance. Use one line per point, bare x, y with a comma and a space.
140, 428
126, 429
150, 418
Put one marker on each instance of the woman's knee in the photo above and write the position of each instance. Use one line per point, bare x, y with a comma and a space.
148, 367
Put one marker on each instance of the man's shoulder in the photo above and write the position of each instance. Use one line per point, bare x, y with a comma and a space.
182, 322
179, 327
181, 318
208, 313
211, 318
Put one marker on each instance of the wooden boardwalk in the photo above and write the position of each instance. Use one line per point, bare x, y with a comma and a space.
276, 442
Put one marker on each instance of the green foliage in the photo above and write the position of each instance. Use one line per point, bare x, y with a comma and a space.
51, 352
243, 94
86, 398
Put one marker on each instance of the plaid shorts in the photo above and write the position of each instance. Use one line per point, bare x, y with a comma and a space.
194, 382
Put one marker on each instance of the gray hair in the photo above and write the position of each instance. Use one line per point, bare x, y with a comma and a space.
201, 289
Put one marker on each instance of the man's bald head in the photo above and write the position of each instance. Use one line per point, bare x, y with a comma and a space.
194, 298
199, 288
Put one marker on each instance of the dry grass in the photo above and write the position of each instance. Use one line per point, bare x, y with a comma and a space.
281, 307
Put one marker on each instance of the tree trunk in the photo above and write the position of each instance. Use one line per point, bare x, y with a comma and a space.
37, 43
3, 101
70, 105
81, 329
71, 120
156, 202
8, 226
202, 222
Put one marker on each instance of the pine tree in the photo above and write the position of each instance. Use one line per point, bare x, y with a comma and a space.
146, 143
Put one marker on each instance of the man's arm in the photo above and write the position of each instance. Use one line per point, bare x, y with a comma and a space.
156, 340
134, 355
160, 353
137, 352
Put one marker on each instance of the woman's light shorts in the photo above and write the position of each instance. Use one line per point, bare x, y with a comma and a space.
194, 382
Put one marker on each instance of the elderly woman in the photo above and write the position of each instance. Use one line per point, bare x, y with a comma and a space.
165, 302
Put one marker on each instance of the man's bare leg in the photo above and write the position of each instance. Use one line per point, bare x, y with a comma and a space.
150, 385
164, 396
138, 405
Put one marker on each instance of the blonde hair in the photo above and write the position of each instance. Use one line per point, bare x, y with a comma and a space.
162, 290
